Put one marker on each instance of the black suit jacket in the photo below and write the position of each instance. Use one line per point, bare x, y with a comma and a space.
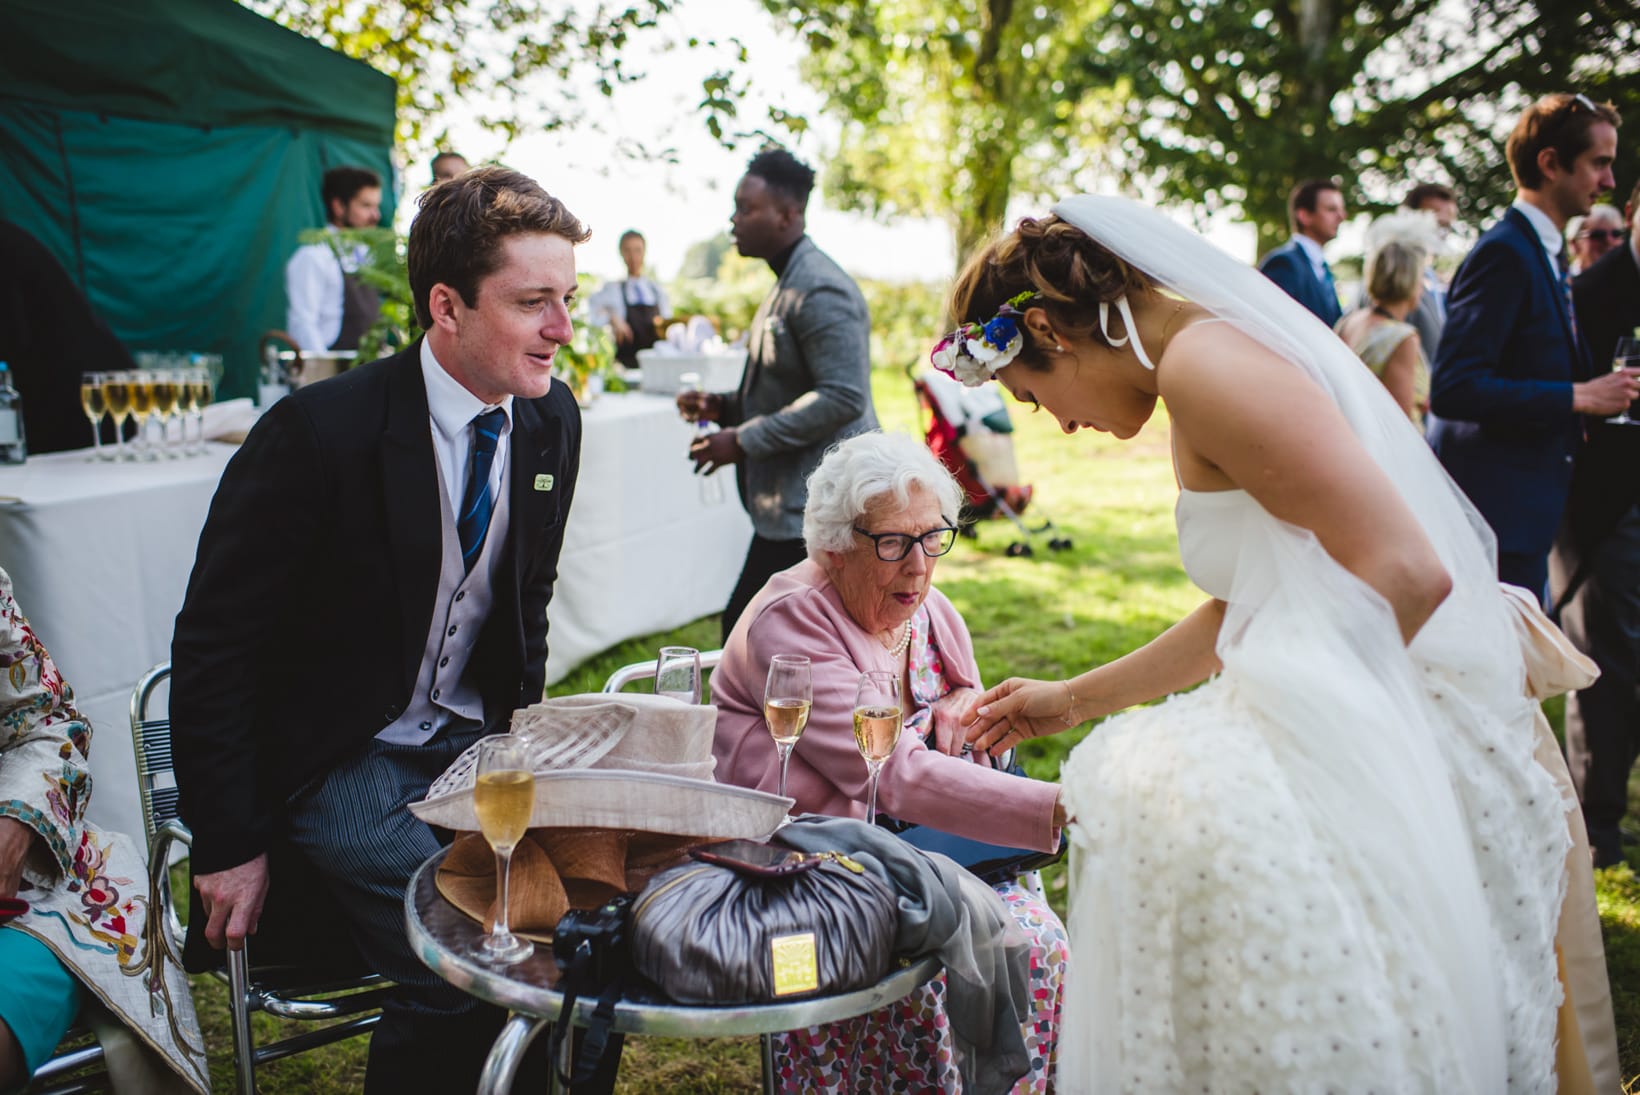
313, 587
1606, 481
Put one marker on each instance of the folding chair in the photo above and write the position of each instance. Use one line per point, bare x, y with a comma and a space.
287, 992
57, 1075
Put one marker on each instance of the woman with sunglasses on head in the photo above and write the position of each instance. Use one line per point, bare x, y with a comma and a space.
1337, 864
881, 511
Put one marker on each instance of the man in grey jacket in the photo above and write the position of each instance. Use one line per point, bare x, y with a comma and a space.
807, 383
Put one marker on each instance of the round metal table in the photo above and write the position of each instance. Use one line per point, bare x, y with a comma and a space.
443, 937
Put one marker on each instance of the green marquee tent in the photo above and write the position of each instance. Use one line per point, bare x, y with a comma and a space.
169, 153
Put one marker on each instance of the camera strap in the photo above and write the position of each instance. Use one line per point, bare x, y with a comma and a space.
603, 1018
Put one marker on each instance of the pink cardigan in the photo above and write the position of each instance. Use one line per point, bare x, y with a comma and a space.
800, 612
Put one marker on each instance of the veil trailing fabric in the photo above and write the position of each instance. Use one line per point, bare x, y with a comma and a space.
1422, 754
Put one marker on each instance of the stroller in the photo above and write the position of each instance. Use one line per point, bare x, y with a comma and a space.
971, 434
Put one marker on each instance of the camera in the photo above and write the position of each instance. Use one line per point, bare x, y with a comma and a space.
591, 944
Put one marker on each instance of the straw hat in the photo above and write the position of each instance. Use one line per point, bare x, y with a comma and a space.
623, 761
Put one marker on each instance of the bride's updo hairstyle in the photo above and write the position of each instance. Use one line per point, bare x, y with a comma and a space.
1064, 266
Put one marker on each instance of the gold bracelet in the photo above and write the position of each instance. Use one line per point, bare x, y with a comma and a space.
1070, 706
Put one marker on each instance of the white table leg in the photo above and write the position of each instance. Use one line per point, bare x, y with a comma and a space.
501, 1066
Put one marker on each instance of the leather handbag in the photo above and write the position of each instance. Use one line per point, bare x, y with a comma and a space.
747, 923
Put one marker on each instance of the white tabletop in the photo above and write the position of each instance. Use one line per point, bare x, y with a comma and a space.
100, 553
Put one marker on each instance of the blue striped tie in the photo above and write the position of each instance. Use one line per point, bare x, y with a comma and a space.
476, 503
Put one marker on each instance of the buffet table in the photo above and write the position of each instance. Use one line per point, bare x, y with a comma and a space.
99, 555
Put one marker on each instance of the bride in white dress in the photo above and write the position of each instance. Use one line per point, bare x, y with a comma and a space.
1336, 866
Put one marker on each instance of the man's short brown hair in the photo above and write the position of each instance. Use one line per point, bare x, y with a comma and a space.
457, 235
1560, 121
1424, 193
1304, 196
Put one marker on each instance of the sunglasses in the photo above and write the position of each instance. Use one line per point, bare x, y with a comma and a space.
1614, 234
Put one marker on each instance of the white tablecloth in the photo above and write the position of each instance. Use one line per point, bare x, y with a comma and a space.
99, 555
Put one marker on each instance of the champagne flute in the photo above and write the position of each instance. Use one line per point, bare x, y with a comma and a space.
142, 405
677, 673
787, 694
95, 406
1626, 355
878, 716
202, 389
165, 408
711, 489
503, 797
117, 394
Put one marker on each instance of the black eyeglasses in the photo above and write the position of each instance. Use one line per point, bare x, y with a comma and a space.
894, 546
1614, 234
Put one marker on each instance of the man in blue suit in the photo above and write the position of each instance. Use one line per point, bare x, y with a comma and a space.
1315, 209
1505, 395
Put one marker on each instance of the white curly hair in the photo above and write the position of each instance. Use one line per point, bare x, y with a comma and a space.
856, 472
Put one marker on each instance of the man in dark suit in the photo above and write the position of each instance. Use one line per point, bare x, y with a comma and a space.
1596, 561
807, 383
370, 596
1508, 405
1315, 209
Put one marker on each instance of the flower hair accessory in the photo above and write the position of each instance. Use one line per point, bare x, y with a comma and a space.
975, 351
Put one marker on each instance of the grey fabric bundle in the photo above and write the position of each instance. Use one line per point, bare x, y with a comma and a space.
947, 912
705, 934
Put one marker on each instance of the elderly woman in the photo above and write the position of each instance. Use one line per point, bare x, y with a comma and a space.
1398, 250
880, 512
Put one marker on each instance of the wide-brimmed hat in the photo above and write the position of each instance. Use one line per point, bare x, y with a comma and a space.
623, 761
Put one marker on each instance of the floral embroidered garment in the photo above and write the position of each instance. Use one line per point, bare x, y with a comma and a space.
88, 895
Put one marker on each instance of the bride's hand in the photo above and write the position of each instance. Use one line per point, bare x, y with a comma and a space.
1017, 709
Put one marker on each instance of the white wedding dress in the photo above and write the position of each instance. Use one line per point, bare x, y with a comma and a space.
1335, 866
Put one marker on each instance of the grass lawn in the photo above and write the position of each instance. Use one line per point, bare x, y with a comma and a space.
1048, 616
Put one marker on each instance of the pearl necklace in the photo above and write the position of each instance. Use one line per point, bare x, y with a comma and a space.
905, 640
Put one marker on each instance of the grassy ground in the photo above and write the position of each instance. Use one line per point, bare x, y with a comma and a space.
1049, 615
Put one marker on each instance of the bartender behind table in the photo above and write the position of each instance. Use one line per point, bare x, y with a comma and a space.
327, 305
631, 306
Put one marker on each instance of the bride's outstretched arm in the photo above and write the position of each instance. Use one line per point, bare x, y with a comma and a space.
1019, 708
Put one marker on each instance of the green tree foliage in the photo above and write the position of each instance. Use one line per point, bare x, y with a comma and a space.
483, 53
1226, 102
948, 106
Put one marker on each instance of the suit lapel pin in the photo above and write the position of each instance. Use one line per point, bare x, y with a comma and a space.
543, 482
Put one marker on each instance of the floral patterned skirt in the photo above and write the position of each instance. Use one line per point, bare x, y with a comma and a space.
907, 1045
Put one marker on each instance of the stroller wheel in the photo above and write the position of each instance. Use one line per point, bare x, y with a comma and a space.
1059, 543
1018, 549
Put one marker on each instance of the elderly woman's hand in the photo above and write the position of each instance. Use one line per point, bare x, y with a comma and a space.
1017, 709
949, 714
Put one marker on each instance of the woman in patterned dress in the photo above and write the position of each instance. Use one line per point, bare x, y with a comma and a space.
85, 946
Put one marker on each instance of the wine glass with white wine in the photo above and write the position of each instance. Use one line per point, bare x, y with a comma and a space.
878, 716
677, 673
1625, 355
787, 694
503, 796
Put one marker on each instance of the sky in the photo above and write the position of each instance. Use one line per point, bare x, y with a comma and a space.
676, 205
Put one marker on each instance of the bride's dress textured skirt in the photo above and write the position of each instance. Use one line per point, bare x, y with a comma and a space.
1333, 868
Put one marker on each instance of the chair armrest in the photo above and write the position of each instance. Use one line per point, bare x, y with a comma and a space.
161, 894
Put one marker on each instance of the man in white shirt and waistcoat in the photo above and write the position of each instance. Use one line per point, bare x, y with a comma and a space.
327, 305
369, 598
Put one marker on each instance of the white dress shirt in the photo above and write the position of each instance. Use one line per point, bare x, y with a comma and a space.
452, 409
313, 294
1312, 251
609, 302
1554, 244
